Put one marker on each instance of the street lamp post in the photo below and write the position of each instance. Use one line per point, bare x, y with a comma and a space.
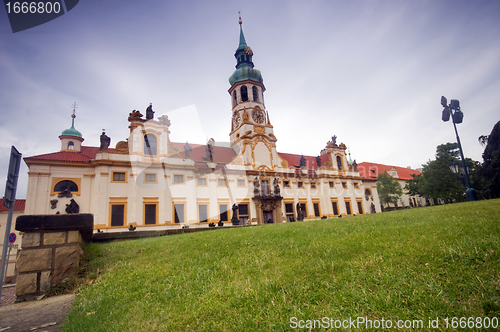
453, 110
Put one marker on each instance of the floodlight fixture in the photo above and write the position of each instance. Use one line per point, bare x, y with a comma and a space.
444, 101
455, 104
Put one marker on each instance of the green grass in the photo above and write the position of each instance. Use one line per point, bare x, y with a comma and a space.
440, 261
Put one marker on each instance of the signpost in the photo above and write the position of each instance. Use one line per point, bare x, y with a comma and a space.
9, 201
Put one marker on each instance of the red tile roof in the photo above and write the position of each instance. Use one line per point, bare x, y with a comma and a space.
221, 154
19, 205
371, 170
87, 154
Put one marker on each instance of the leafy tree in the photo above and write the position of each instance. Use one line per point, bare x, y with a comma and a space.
491, 164
388, 188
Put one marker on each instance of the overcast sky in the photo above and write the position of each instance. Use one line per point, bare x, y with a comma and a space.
370, 72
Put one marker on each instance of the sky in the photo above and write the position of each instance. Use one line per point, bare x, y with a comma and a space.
370, 72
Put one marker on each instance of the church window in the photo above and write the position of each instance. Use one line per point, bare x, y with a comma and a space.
66, 184
255, 94
286, 184
300, 184
265, 188
348, 207
119, 176
117, 215
356, 185
235, 100
335, 208
150, 214
179, 213
368, 192
203, 212
223, 212
244, 93
316, 209
71, 145
241, 182
202, 181
289, 212
243, 213
150, 145
222, 182
150, 177
313, 185
178, 178
344, 184
339, 163
360, 207
303, 207
331, 184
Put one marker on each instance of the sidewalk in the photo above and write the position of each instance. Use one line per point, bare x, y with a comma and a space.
43, 315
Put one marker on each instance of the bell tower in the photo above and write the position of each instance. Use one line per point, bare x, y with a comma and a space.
251, 129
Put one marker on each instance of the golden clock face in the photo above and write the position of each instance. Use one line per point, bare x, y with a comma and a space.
248, 50
258, 116
236, 121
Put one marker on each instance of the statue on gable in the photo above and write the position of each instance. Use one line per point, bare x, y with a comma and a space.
276, 187
209, 152
105, 141
164, 120
188, 150
256, 186
302, 161
150, 114
355, 165
318, 161
334, 140
72, 207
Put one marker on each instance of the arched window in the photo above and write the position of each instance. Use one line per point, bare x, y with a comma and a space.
235, 100
368, 192
339, 163
66, 184
255, 93
244, 93
150, 146
71, 145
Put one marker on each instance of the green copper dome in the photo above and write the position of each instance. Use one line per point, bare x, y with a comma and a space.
246, 73
72, 131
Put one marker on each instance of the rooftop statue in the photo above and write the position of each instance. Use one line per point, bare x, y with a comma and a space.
150, 114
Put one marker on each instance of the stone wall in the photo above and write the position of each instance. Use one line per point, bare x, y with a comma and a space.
51, 251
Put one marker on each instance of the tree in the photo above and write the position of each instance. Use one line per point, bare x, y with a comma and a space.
490, 169
388, 188
437, 181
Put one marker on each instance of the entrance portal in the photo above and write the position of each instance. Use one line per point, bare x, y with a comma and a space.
268, 217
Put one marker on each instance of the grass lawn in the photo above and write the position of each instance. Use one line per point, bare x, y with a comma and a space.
440, 261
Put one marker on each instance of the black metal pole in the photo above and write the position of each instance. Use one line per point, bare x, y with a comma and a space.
467, 181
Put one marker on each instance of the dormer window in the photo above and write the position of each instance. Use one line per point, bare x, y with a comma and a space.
71, 145
255, 94
339, 163
244, 93
150, 146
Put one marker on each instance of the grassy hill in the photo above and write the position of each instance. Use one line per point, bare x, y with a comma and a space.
413, 265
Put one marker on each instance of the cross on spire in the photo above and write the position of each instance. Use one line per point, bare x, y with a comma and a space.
75, 106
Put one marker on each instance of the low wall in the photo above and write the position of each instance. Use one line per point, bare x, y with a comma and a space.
51, 251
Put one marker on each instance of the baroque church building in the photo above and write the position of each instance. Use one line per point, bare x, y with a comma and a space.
149, 182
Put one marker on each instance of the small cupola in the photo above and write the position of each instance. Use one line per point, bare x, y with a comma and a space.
71, 139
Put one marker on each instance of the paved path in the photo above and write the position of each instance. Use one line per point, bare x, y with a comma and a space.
43, 315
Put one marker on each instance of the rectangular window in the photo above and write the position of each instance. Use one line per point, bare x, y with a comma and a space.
243, 212
119, 177
223, 212
265, 188
344, 185
150, 177
300, 184
179, 213
241, 183
316, 209
335, 208
304, 209
150, 214
360, 207
290, 216
221, 182
356, 185
348, 207
202, 181
178, 178
203, 212
286, 184
117, 215
313, 185
331, 184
